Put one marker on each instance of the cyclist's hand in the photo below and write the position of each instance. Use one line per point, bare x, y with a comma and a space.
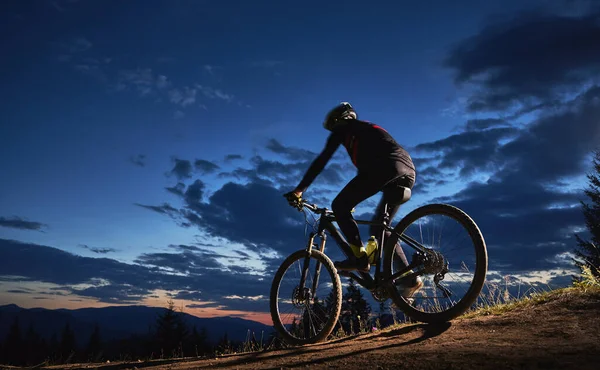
294, 198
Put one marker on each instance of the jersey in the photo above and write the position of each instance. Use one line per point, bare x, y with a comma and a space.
372, 150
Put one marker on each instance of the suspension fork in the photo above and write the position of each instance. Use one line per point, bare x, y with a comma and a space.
318, 267
309, 246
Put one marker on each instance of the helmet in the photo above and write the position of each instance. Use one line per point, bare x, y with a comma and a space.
342, 111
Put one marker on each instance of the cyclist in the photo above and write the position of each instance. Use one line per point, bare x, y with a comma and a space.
382, 164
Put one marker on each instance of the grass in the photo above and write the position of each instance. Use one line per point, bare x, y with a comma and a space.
499, 302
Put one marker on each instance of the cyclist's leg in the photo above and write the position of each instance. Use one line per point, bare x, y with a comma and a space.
357, 190
392, 196
376, 230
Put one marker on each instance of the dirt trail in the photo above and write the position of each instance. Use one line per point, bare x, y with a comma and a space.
563, 334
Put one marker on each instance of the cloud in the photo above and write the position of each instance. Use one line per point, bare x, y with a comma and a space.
526, 205
192, 296
185, 248
114, 293
527, 60
147, 82
240, 212
210, 69
20, 223
194, 192
485, 123
162, 82
557, 144
470, 151
289, 151
212, 93
111, 281
168, 210
205, 167
140, 79
287, 172
232, 157
185, 262
98, 250
184, 97
165, 208
178, 189
138, 160
244, 255
182, 169
231, 211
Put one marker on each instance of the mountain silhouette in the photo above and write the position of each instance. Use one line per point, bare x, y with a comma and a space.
117, 322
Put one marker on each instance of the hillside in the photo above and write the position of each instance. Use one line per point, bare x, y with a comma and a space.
560, 331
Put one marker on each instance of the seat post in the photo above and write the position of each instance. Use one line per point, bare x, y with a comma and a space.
386, 215
385, 222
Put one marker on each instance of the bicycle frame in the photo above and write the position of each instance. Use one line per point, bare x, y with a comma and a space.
363, 278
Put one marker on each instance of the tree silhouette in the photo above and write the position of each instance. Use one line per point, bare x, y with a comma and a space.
53, 348
170, 331
294, 330
224, 345
33, 347
13, 347
67, 344
355, 309
94, 349
588, 251
197, 342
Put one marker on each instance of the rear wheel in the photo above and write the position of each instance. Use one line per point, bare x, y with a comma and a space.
308, 313
453, 271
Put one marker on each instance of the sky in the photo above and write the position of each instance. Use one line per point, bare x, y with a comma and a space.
145, 146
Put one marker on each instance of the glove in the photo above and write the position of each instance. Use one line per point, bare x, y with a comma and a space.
294, 199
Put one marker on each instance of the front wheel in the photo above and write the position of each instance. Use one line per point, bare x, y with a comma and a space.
453, 271
305, 312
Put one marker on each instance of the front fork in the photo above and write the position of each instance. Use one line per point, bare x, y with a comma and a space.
306, 294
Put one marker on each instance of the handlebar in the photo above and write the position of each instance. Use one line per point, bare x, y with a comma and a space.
312, 207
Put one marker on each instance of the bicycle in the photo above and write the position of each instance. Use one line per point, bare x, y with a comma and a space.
320, 313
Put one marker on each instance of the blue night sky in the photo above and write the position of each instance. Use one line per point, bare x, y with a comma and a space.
146, 144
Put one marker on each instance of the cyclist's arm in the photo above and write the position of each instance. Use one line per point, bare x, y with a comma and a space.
333, 142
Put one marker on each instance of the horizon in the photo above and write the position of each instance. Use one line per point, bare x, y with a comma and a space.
147, 148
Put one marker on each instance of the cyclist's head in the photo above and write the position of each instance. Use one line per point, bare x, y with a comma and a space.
337, 115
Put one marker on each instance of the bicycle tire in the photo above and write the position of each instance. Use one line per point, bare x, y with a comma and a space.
337, 305
480, 270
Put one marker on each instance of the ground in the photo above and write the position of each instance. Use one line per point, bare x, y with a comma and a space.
563, 332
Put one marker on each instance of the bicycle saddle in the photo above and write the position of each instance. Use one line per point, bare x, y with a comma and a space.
406, 194
400, 195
